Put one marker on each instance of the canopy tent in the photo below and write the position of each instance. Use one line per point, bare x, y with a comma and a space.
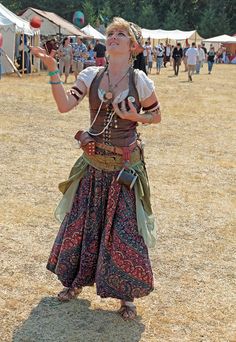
92, 32
52, 24
221, 39
229, 42
10, 25
171, 35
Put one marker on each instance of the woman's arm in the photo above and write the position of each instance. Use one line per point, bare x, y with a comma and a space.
65, 100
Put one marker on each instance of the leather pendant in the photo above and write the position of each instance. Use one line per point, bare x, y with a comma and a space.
108, 95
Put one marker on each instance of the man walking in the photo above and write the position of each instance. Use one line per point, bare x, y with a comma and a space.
192, 55
200, 59
177, 56
167, 54
159, 57
79, 52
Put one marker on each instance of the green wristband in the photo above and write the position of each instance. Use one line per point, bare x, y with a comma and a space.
52, 73
59, 82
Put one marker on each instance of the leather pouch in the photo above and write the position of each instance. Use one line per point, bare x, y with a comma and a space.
127, 178
86, 142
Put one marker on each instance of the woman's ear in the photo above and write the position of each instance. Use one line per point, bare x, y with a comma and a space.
136, 48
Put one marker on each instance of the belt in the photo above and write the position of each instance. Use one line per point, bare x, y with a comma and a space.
111, 163
116, 149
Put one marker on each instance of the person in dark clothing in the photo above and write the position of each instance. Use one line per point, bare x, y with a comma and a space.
99, 53
177, 56
211, 59
139, 62
204, 48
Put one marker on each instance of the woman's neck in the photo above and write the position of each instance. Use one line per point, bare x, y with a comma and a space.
118, 65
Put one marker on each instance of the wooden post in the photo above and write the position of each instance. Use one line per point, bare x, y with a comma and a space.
23, 55
30, 54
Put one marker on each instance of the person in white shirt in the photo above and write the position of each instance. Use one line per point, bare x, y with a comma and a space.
200, 58
167, 54
159, 55
192, 55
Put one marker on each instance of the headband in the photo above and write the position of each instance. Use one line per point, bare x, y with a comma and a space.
137, 32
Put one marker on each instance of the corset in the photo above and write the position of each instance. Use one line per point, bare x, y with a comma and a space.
120, 132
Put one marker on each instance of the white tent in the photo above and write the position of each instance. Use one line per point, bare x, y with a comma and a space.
221, 39
90, 31
10, 25
154, 34
171, 35
52, 24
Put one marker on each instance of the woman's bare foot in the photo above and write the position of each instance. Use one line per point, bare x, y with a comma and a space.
127, 310
69, 293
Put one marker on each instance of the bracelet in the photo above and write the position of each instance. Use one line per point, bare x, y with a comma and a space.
52, 73
59, 82
150, 117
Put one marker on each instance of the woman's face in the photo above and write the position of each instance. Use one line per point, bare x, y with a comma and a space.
118, 42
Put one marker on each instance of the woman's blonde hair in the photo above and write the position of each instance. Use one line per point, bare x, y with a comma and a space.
121, 24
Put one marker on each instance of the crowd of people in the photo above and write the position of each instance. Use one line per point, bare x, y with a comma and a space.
74, 56
193, 57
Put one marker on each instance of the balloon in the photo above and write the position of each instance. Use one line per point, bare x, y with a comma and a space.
1, 40
78, 18
35, 22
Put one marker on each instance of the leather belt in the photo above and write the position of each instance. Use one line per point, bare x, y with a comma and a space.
111, 163
116, 149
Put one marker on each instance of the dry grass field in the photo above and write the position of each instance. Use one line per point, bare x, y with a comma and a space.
191, 161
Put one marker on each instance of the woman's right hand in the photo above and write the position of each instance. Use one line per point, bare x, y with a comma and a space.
49, 62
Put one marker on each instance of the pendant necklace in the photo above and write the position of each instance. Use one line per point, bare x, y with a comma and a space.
108, 95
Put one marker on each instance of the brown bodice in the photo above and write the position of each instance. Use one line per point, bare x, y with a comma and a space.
120, 132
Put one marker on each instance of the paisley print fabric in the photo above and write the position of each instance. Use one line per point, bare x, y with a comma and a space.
98, 241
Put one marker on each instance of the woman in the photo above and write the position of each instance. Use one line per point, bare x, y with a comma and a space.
106, 212
65, 57
91, 53
90, 61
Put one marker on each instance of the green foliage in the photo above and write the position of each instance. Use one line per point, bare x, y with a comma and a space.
175, 18
213, 21
210, 17
89, 13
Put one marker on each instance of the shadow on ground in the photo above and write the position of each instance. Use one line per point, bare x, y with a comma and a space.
52, 321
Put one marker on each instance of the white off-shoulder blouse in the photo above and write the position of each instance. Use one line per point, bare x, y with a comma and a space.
144, 85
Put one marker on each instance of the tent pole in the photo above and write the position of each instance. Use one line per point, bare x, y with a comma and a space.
37, 43
0, 63
31, 57
23, 55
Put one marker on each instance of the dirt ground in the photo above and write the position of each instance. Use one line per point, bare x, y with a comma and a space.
191, 162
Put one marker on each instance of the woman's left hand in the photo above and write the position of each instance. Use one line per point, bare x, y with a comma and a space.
131, 114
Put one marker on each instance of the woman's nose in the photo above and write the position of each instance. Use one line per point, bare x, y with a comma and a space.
113, 36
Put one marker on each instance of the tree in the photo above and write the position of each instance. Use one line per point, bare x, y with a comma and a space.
211, 17
89, 12
213, 22
175, 18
